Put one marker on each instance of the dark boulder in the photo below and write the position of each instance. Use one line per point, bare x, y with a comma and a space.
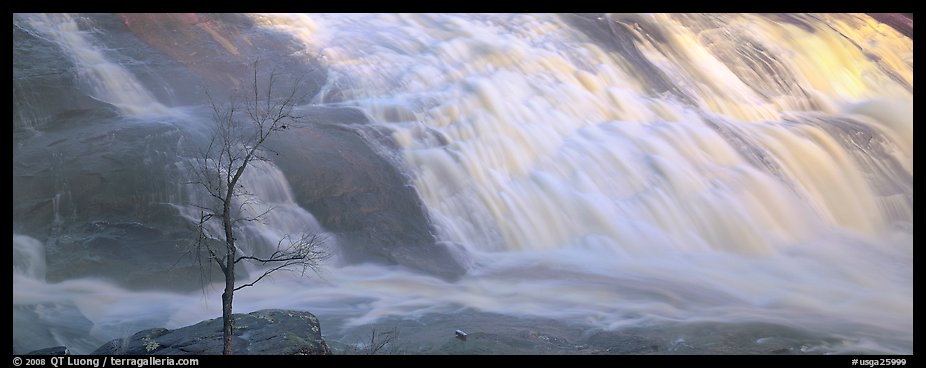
265, 332
336, 172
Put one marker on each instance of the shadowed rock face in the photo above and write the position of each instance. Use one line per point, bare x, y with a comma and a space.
101, 196
265, 332
359, 194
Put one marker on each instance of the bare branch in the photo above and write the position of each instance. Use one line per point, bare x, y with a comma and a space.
307, 249
300, 255
265, 274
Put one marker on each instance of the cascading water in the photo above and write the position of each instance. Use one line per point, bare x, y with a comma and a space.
745, 187
612, 171
109, 81
268, 199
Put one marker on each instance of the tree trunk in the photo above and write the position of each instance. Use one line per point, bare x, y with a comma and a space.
228, 323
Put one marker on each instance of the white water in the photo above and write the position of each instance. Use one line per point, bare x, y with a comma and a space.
109, 81
583, 194
265, 195
536, 149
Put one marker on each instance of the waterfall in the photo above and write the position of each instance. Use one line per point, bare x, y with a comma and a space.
760, 158
109, 81
612, 171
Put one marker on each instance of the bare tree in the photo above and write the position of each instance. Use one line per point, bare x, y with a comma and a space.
240, 131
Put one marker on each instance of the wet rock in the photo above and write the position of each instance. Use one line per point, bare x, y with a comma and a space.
265, 332
356, 192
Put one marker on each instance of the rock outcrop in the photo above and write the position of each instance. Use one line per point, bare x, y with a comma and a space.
265, 332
